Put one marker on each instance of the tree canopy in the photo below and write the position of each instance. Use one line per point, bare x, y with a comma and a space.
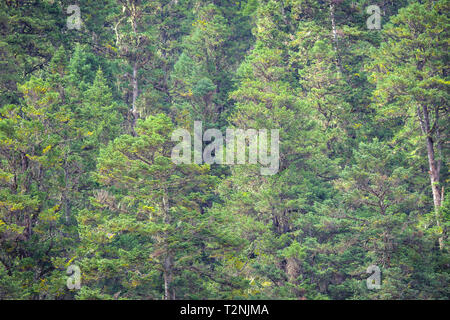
87, 179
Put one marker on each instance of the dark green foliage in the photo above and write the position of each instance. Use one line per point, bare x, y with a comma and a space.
87, 179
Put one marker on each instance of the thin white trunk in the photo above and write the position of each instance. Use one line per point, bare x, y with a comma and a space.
135, 88
434, 166
335, 36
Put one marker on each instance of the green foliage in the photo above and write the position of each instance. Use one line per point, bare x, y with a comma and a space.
87, 179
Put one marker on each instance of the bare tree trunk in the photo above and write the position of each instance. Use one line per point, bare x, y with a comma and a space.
335, 36
168, 291
434, 179
434, 166
134, 82
65, 195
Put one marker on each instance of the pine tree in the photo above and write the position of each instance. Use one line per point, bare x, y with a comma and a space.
411, 84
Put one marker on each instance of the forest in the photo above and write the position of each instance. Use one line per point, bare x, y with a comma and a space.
113, 179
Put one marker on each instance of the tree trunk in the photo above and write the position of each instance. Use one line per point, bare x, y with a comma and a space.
65, 196
434, 166
335, 36
434, 179
169, 293
134, 82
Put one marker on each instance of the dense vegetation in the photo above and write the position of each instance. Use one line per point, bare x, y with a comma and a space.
86, 176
